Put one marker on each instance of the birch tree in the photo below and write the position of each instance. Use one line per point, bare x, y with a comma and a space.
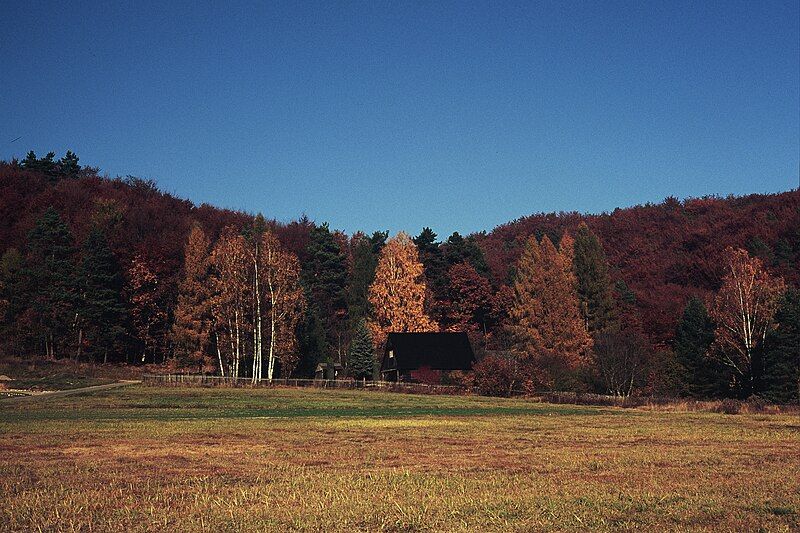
743, 311
285, 301
230, 283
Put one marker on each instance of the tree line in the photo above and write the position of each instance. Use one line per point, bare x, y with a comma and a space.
245, 296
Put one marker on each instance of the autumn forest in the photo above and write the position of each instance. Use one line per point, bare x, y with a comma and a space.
695, 298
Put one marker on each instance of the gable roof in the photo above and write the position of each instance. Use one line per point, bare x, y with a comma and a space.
439, 351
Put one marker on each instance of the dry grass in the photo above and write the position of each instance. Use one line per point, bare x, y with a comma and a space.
145, 459
61, 374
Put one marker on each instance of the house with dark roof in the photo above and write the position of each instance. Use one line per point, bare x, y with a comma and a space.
406, 355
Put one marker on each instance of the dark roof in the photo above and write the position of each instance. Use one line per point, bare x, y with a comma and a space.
439, 351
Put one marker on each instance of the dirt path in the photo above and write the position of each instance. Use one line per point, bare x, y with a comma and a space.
28, 395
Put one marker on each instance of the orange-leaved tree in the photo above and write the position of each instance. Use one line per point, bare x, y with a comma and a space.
544, 320
231, 286
147, 306
285, 300
743, 311
192, 328
397, 295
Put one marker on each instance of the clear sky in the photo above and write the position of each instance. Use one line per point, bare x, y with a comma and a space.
395, 115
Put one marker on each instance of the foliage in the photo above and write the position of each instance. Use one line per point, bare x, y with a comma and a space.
231, 301
432, 256
102, 311
286, 303
362, 273
360, 356
782, 357
544, 319
324, 275
666, 253
700, 376
397, 295
66, 167
497, 375
458, 249
470, 299
622, 359
743, 311
148, 304
191, 332
594, 282
53, 280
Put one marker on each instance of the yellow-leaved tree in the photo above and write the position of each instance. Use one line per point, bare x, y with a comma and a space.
397, 295
544, 320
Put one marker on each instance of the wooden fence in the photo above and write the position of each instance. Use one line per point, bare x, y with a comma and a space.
199, 380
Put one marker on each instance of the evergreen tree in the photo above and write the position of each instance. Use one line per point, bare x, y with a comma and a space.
594, 283
432, 257
362, 274
324, 278
68, 165
13, 290
311, 342
700, 376
378, 241
782, 357
458, 249
103, 315
53, 280
360, 358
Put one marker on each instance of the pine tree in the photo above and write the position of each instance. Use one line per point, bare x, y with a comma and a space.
397, 295
782, 357
52, 276
360, 358
324, 277
103, 315
544, 320
458, 249
432, 257
68, 165
13, 290
362, 274
700, 376
594, 282
192, 327
311, 342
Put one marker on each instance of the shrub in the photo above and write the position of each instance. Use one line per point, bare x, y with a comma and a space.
427, 375
495, 375
729, 407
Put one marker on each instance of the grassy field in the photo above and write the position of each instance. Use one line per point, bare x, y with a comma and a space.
62, 374
141, 458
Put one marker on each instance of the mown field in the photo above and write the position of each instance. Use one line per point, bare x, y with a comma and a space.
139, 458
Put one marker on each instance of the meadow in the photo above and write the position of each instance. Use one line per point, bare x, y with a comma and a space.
144, 459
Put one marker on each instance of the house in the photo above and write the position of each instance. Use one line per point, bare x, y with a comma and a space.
328, 371
406, 356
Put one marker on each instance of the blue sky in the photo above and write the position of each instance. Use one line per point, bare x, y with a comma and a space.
395, 115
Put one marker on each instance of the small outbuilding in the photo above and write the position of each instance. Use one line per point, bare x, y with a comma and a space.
328, 371
406, 355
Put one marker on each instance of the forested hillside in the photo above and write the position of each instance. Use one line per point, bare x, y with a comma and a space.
115, 270
663, 254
